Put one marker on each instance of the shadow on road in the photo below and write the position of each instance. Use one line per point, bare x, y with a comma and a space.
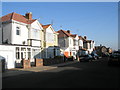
78, 75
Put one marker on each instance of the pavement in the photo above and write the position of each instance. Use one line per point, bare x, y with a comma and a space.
19, 71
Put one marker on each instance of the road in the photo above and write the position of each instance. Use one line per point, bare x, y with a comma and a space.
95, 74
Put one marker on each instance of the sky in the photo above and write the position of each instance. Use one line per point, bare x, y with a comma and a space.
96, 20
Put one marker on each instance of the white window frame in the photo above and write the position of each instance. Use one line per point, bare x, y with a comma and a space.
18, 30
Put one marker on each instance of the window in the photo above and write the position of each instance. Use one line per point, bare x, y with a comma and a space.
54, 37
90, 45
75, 42
29, 53
36, 34
17, 30
50, 37
17, 53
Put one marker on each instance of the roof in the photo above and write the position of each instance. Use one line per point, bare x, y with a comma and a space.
17, 17
45, 26
73, 35
64, 33
89, 41
81, 38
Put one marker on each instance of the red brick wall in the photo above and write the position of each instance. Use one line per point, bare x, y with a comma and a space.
26, 64
38, 62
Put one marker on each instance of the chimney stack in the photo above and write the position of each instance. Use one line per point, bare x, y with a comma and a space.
68, 31
28, 15
85, 37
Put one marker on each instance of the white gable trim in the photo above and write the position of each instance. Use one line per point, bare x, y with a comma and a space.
39, 25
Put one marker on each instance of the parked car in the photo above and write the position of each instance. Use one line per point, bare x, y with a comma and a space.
95, 56
86, 58
114, 59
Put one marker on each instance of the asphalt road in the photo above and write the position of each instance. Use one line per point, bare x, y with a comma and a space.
96, 74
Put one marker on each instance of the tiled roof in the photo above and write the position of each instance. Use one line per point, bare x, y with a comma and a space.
45, 26
73, 35
17, 17
64, 33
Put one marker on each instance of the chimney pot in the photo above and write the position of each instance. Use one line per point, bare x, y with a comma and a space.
68, 31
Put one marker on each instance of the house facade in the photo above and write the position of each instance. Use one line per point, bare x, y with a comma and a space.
50, 42
68, 43
21, 33
88, 46
74, 45
22, 37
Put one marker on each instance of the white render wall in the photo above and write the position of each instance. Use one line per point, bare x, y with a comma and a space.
81, 43
36, 25
49, 35
77, 46
34, 31
92, 47
36, 43
19, 39
70, 42
8, 52
7, 32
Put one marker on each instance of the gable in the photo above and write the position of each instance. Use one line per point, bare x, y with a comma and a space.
77, 37
36, 25
50, 30
61, 34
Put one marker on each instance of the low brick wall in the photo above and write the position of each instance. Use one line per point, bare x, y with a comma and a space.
52, 61
26, 64
38, 62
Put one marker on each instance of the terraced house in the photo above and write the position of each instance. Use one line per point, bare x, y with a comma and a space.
23, 37
20, 38
85, 46
68, 43
50, 42
74, 45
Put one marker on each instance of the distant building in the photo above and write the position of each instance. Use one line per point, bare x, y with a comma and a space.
87, 46
67, 43
74, 45
109, 50
102, 50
